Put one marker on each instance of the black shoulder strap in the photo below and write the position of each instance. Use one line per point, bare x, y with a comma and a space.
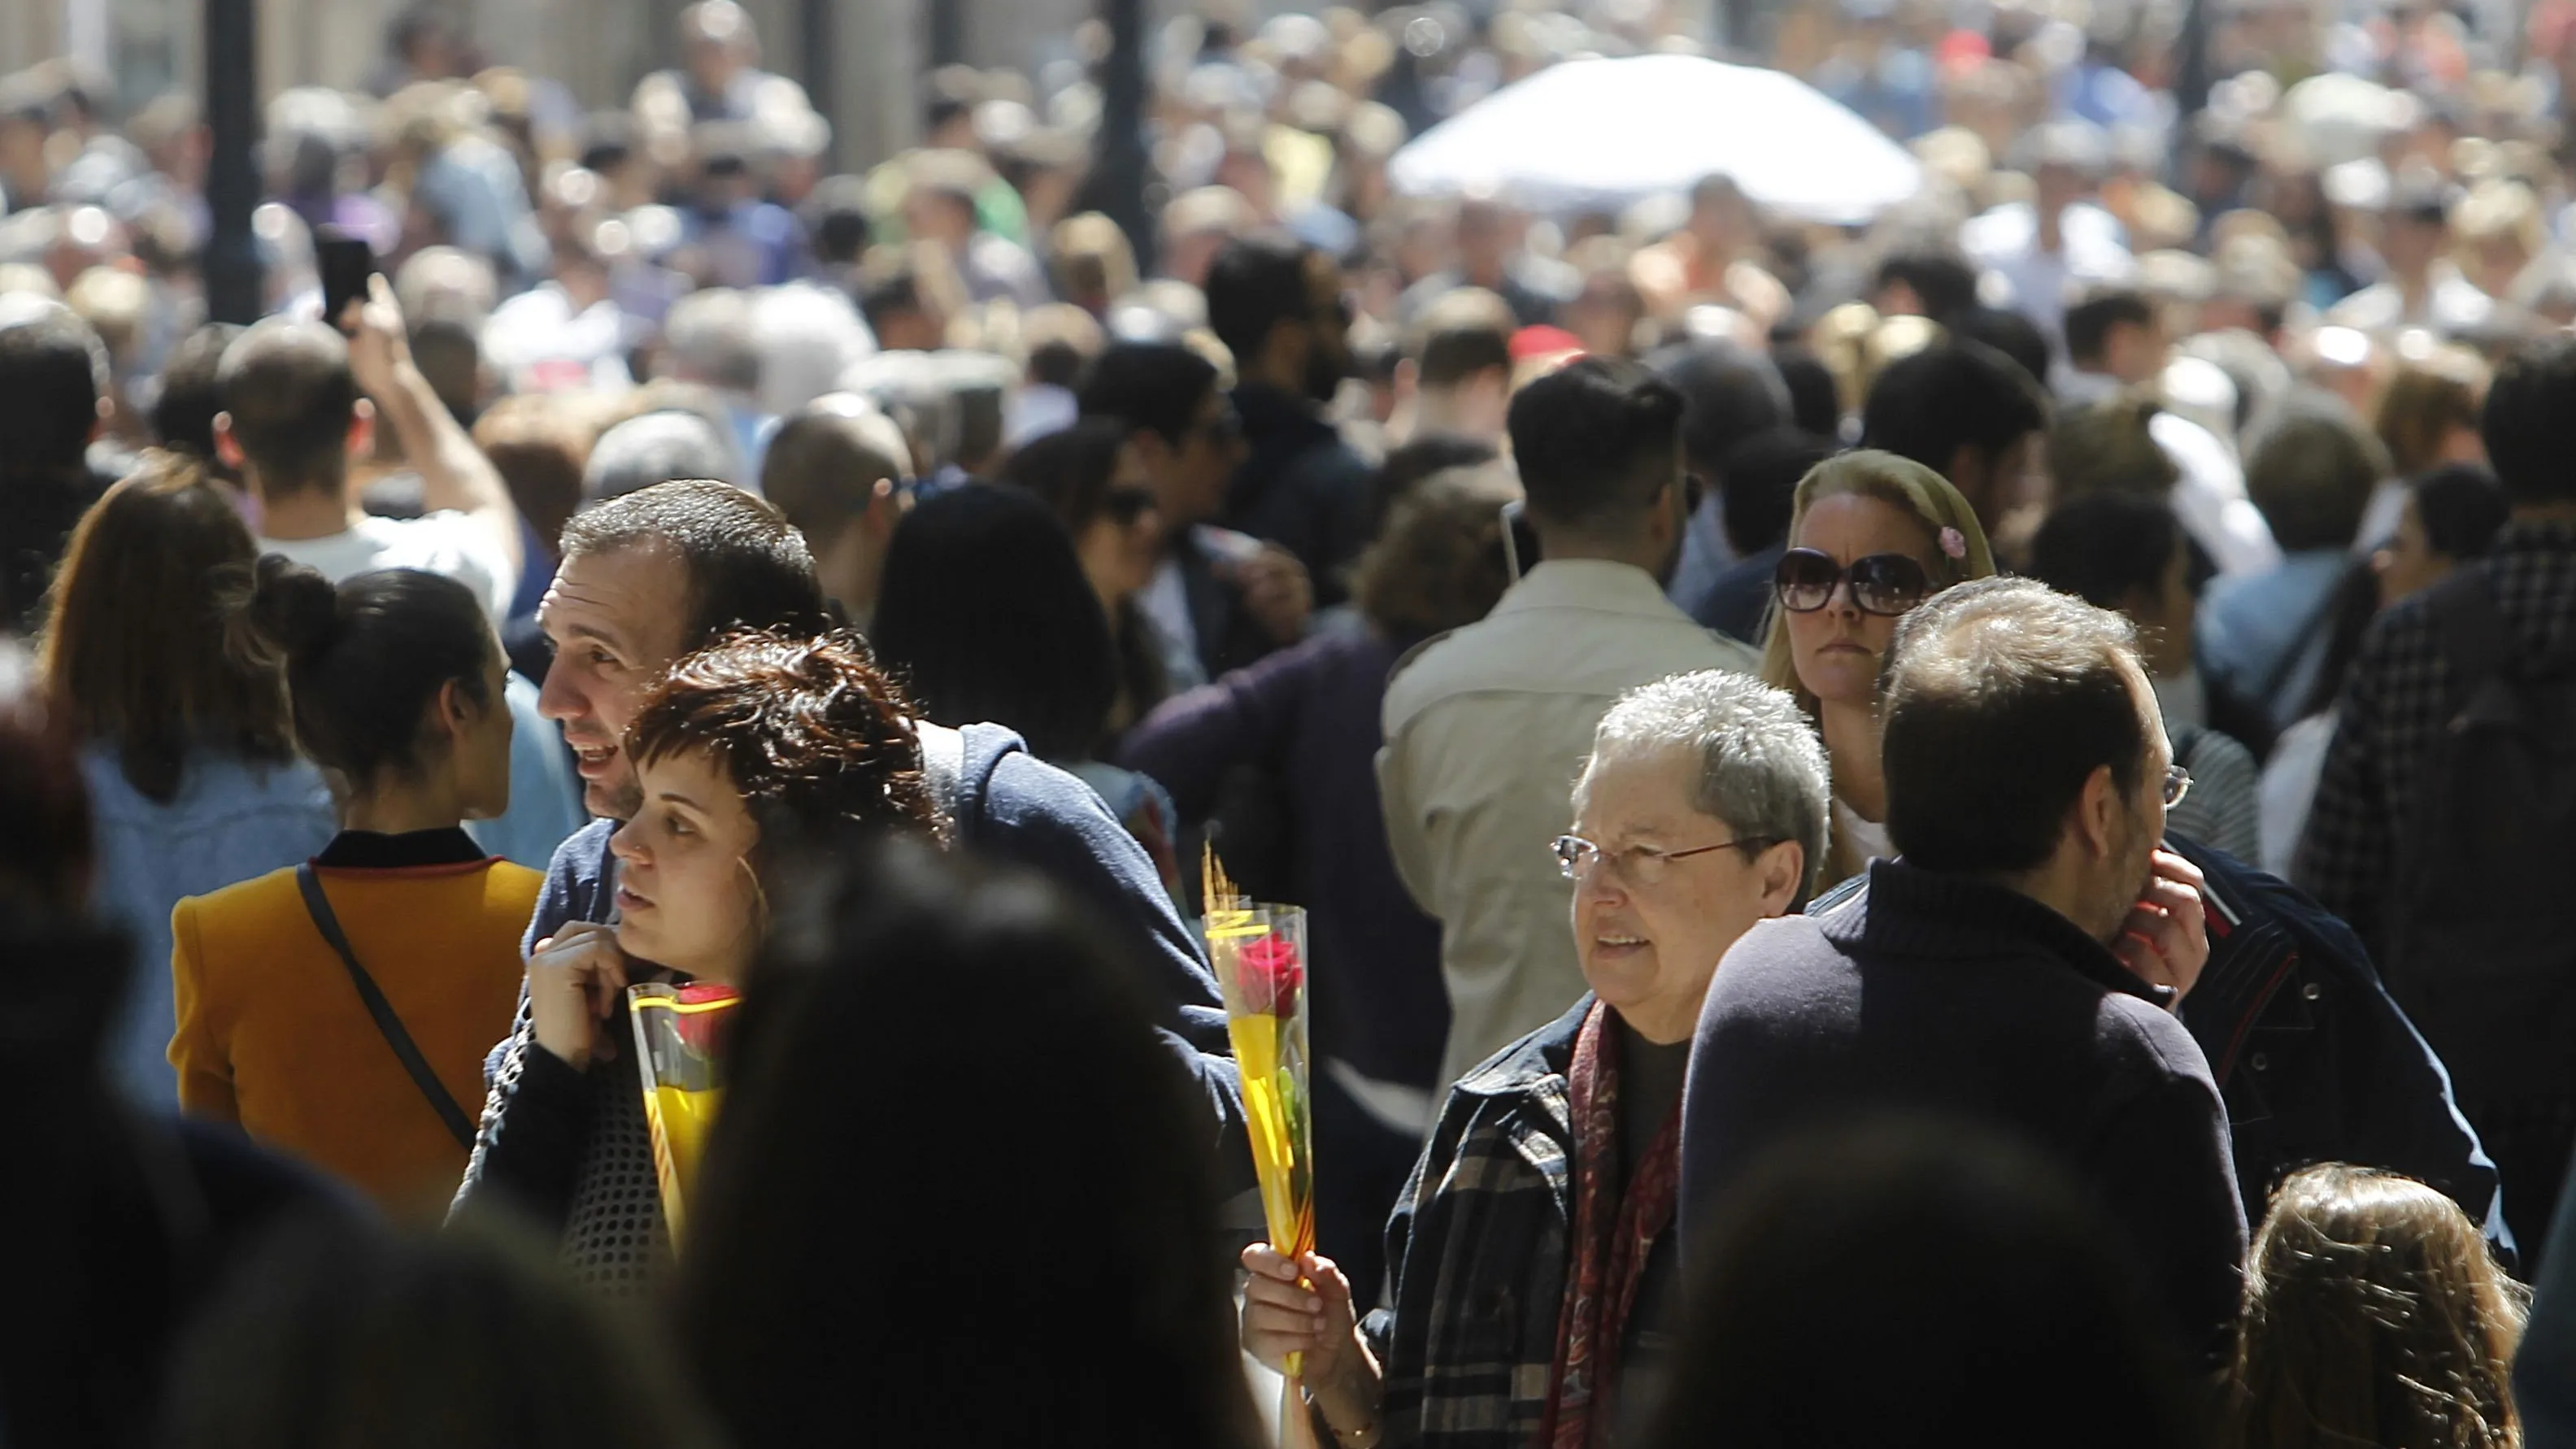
383, 1011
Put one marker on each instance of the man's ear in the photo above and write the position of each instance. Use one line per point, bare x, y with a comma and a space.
362, 429
228, 449
106, 409
2097, 813
1780, 871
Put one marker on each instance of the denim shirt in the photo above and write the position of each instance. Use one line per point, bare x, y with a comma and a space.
231, 820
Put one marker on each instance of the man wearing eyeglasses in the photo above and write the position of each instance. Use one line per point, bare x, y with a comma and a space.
1485, 725
2019, 962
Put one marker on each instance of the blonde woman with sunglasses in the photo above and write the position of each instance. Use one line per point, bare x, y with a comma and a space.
1872, 536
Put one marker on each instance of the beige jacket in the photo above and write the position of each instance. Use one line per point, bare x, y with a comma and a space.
1486, 729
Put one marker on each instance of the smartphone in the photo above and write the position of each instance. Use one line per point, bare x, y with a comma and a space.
1520, 541
345, 262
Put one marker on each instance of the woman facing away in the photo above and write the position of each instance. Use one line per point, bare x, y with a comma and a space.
1872, 535
188, 751
396, 684
986, 615
747, 745
2373, 1315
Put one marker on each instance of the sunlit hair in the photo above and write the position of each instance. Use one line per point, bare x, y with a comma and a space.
1438, 564
1761, 768
2373, 1315
814, 738
2106, 447
2429, 399
134, 651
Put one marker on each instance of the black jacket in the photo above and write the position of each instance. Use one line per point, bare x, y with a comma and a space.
2316, 1062
37, 514
1301, 488
1935, 992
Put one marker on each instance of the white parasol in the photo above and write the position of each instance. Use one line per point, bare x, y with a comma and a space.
1605, 133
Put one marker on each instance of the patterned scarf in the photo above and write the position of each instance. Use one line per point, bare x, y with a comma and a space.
1613, 1232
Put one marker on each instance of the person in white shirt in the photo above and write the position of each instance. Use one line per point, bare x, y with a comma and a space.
1486, 725
2058, 241
293, 416
2423, 287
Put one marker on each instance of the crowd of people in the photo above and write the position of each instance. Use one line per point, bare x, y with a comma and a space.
1957, 827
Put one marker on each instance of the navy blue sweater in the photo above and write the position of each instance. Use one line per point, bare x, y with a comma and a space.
1935, 992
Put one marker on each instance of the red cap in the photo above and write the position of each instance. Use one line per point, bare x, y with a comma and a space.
1543, 341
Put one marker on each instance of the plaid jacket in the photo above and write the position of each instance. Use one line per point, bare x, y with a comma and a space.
1477, 1250
2394, 706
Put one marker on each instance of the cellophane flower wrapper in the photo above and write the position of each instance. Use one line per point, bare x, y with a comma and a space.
1259, 953
679, 1031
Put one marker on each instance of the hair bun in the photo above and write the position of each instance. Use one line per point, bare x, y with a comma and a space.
293, 609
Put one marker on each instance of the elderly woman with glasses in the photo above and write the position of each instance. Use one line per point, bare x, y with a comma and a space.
1531, 1257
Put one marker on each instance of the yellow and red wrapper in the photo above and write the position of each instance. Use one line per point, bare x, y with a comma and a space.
679, 1036
1259, 955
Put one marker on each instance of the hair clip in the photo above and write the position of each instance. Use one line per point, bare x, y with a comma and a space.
1954, 543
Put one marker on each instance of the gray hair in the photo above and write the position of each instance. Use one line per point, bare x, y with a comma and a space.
654, 448
714, 339
1762, 770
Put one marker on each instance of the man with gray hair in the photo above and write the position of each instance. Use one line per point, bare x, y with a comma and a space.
714, 340
1701, 811
656, 447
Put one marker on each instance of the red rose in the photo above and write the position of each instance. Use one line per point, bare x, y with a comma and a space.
704, 1029
1272, 977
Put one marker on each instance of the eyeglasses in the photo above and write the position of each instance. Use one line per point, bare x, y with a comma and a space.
1123, 506
1638, 865
1883, 583
2177, 785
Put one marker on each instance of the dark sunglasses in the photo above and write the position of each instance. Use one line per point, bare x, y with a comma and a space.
1123, 506
1883, 583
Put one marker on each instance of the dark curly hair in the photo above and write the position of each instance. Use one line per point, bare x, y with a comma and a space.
813, 735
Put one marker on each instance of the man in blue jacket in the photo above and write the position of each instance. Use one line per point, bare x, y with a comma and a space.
651, 576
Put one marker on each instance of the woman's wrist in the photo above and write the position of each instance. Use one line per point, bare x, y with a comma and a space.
1352, 1397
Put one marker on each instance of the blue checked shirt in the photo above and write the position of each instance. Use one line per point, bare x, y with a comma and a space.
2394, 706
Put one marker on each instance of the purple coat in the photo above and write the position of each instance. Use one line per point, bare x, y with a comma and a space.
1308, 718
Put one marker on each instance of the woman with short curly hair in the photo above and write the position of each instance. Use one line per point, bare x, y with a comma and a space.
750, 744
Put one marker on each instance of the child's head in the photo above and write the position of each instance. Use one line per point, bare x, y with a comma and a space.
2373, 1315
